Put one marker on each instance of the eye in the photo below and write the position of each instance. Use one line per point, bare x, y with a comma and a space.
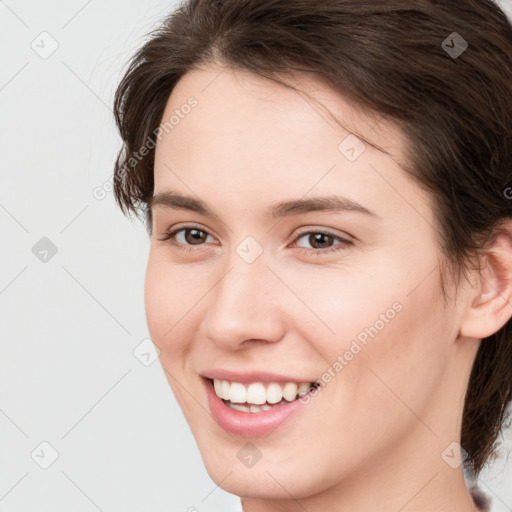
321, 242
186, 236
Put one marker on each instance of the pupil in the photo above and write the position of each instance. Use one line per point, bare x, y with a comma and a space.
195, 236
318, 237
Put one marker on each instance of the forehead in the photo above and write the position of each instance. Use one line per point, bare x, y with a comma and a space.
236, 102
265, 142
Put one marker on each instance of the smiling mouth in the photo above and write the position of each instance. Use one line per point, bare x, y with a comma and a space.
259, 396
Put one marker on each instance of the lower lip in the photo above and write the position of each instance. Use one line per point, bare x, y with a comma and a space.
249, 424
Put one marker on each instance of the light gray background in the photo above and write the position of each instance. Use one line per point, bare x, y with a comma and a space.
69, 326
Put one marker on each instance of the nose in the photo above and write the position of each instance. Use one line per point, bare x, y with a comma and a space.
245, 307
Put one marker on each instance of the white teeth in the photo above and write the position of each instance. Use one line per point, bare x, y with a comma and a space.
237, 393
249, 408
290, 391
303, 389
217, 384
274, 393
240, 407
257, 395
224, 389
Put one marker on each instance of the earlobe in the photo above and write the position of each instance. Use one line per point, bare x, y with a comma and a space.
490, 306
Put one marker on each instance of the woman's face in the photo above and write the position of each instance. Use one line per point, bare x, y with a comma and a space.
264, 282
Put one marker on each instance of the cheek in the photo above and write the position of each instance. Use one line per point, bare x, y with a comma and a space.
379, 334
395, 373
334, 305
170, 293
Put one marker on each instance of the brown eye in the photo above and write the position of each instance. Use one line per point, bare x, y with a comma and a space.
186, 236
195, 236
320, 240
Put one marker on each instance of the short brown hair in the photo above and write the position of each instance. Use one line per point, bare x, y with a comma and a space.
403, 60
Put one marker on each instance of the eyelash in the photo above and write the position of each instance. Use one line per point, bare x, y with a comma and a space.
344, 243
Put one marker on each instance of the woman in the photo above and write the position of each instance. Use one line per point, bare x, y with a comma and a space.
327, 188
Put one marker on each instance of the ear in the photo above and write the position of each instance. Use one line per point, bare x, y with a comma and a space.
490, 302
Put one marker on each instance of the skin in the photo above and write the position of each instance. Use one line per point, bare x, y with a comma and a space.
373, 437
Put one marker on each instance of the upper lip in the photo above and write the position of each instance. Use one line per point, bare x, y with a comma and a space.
251, 376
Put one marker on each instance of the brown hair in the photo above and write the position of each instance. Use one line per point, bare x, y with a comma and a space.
399, 59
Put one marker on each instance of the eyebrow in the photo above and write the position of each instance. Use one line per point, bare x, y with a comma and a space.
333, 204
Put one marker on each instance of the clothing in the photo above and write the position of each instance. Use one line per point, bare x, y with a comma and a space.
480, 499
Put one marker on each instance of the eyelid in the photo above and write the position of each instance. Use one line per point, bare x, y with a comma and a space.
169, 236
302, 231
326, 231
345, 241
172, 230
